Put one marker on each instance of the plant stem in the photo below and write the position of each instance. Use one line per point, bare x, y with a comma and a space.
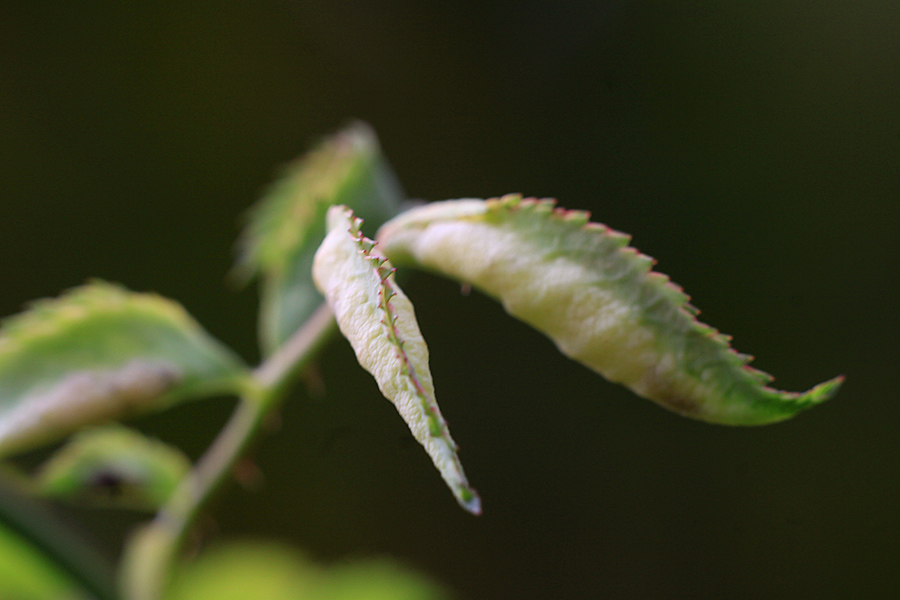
151, 553
279, 370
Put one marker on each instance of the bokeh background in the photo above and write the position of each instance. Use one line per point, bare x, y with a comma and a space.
752, 147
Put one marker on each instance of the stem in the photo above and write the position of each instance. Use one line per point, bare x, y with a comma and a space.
279, 369
151, 553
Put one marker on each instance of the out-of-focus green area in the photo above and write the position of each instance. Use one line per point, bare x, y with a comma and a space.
26, 575
273, 572
752, 147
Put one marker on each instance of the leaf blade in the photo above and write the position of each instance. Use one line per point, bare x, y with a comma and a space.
597, 299
100, 352
378, 320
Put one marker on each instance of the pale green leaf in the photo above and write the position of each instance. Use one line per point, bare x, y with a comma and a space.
377, 318
266, 571
115, 466
99, 353
288, 224
275, 572
597, 298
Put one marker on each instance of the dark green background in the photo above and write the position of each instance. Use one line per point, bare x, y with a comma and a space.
753, 147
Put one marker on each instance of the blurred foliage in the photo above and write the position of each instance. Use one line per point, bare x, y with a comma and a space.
25, 574
113, 466
266, 571
286, 227
98, 352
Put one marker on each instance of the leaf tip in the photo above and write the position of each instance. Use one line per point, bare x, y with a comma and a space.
469, 500
821, 392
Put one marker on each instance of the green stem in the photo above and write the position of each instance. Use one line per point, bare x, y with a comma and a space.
151, 553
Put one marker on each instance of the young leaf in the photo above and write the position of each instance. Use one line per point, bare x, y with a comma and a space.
377, 318
580, 284
99, 353
116, 466
288, 224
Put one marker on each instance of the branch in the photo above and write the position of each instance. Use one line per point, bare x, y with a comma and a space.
151, 553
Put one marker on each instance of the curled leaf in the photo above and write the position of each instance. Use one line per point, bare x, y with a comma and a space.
377, 318
116, 466
286, 227
100, 353
597, 299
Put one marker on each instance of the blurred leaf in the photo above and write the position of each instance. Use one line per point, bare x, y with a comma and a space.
26, 575
98, 353
378, 320
288, 224
114, 465
597, 299
274, 572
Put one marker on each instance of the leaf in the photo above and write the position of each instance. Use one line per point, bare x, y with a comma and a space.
116, 466
100, 353
286, 227
241, 571
580, 284
274, 572
377, 318
26, 574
